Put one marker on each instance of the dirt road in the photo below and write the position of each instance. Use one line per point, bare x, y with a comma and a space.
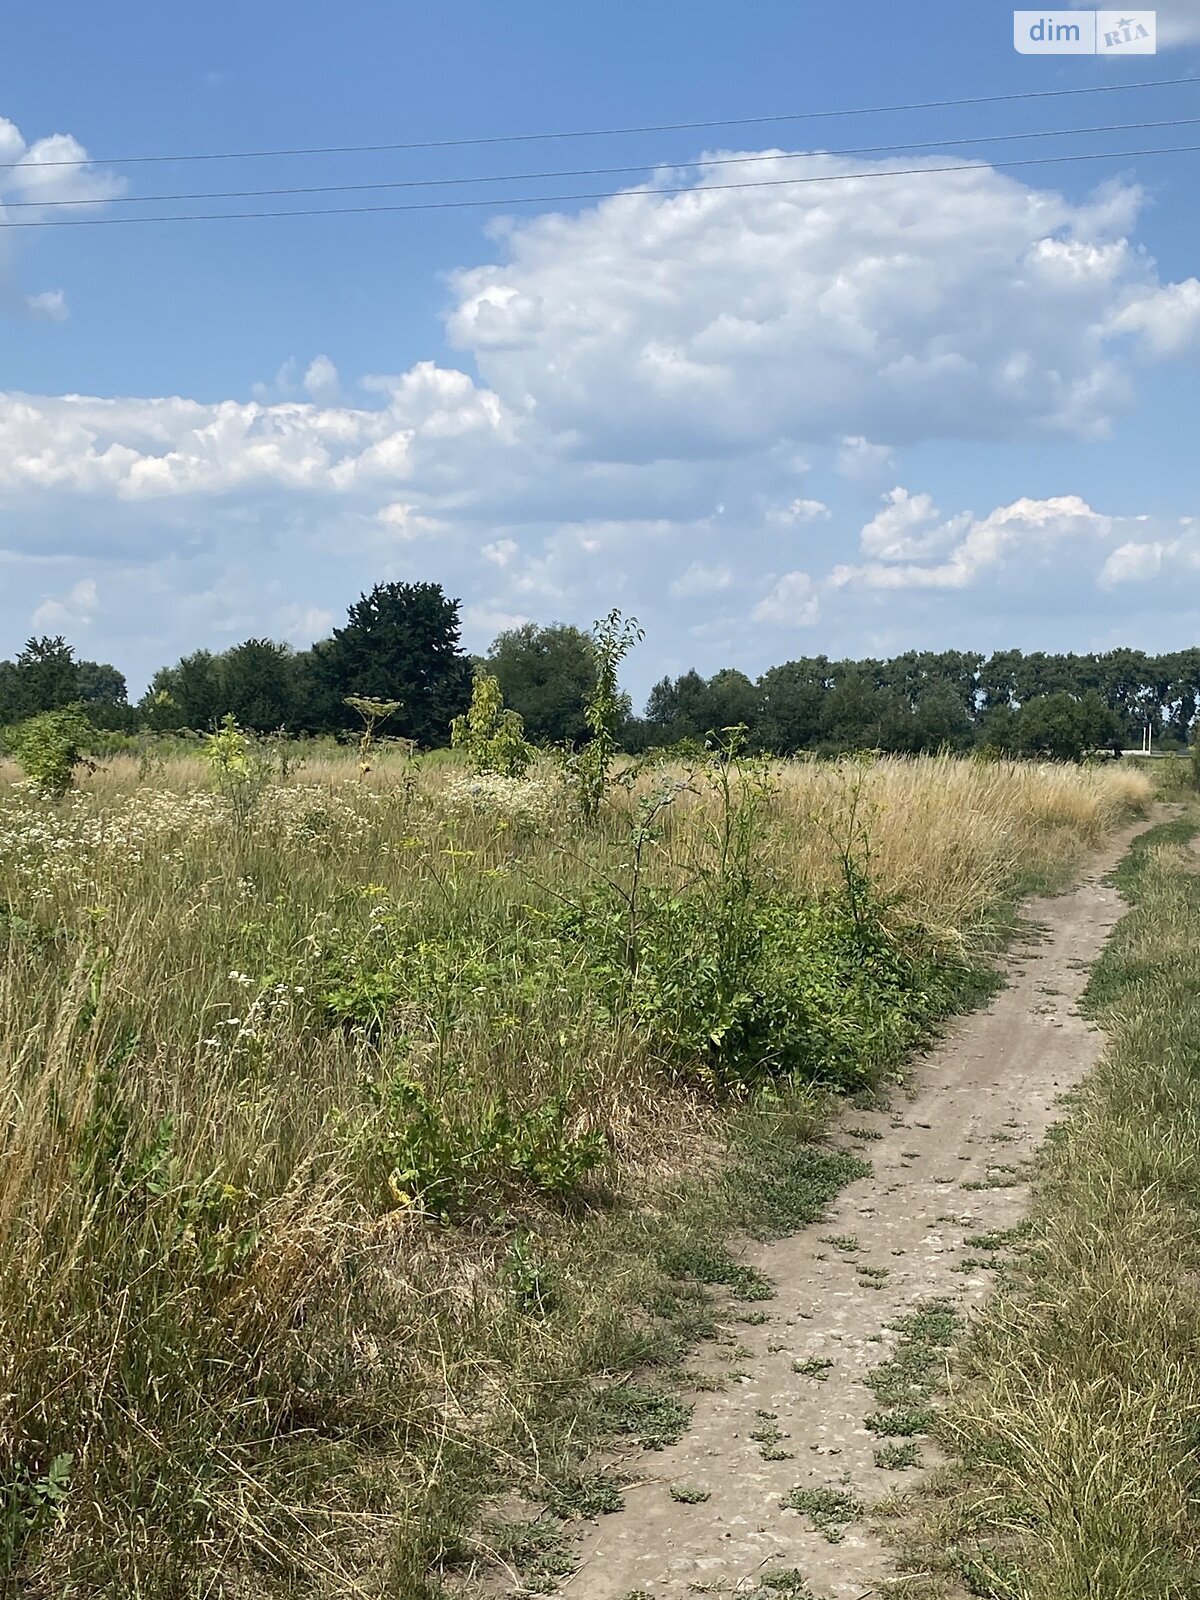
946, 1164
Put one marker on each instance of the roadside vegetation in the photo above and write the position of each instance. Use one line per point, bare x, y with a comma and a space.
1073, 1424
373, 1129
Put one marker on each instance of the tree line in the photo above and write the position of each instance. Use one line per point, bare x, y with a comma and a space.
402, 642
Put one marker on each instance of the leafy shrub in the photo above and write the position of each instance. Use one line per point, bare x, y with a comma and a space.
733, 977
453, 1154
51, 746
493, 738
781, 986
240, 769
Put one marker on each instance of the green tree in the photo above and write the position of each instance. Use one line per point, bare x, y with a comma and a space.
1062, 726
401, 642
50, 746
605, 710
99, 684
47, 676
546, 675
195, 693
258, 684
680, 708
794, 699
733, 701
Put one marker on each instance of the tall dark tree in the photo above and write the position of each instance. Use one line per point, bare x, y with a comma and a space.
680, 709
545, 675
48, 676
193, 691
733, 700
401, 642
1062, 726
258, 684
794, 699
10, 694
97, 683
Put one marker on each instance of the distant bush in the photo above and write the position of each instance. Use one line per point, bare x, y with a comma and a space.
51, 746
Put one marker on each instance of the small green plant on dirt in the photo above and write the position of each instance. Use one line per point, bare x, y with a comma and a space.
896, 1457
767, 1433
871, 1277
652, 1416
51, 747
829, 1510
583, 1494
374, 714
770, 1436
539, 1551
782, 1583
241, 770
713, 1264
908, 1382
818, 1368
493, 738
688, 1494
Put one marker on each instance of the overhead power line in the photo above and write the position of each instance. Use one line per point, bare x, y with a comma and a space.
602, 194
604, 133
606, 172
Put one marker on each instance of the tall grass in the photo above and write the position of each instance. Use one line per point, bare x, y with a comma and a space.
344, 1134
1076, 1428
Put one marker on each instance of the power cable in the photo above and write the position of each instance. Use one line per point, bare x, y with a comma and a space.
603, 172
609, 194
604, 133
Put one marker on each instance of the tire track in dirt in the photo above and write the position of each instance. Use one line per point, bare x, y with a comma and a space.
946, 1164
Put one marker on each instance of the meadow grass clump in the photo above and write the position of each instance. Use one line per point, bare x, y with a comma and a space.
1074, 1420
365, 1132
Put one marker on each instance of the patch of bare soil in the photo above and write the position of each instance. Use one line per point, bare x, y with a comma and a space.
948, 1164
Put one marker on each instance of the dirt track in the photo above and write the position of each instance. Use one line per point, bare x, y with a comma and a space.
980, 1104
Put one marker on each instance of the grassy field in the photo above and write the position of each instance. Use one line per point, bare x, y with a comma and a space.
1075, 1423
369, 1144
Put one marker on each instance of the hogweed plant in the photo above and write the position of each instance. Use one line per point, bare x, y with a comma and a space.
374, 713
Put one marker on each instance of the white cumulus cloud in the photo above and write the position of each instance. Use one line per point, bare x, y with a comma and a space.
54, 172
792, 602
894, 306
700, 579
75, 608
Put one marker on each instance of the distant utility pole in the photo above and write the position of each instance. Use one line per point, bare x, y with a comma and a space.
1147, 740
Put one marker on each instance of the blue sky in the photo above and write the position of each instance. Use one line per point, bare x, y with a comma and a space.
903, 411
